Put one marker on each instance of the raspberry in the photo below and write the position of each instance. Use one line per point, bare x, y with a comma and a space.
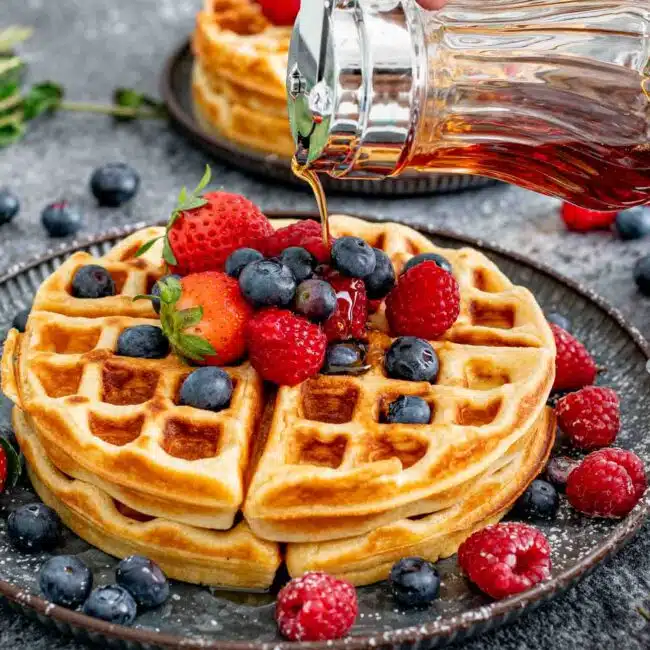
574, 366
425, 302
583, 220
203, 238
316, 607
590, 417
307, 234
285, 348
505, 559
608, 483
349, 319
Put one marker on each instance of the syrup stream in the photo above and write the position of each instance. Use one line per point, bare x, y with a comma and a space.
311, 178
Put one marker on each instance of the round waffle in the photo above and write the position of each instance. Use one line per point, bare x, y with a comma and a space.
311, 465
238, 79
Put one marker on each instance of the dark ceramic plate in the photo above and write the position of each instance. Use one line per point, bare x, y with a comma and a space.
196, 617
175, 90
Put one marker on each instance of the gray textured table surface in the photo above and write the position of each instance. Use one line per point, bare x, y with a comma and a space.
93, 46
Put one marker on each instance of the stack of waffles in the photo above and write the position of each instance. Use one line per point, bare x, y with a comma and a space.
238, 79
308, 475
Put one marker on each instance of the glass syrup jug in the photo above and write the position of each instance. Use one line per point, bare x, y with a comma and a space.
553, 96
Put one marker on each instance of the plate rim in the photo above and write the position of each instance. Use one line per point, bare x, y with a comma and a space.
495, 612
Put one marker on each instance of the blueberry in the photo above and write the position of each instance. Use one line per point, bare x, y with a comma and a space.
238, 259
346, 359
642, 275
414, 582
539, 501
301, 262
114, 184
61, 219
441, 261
34, 527
9, 206
382, 279
560, 320
408, 409
20, 319
65, 580
144, 580
142, 342
266, 283
92, 281
315, 299
412, 359
207, 388
558, 470
155, 291
353, 257
113, 604
633, 223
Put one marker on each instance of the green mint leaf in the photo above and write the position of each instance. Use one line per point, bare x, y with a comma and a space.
11, 132
14, 463
146, 247
40, 98
168, 253
189, 317
203, 183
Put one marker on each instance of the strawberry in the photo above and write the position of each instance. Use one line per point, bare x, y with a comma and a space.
583, 220
574, 367
280, 12
204, 316
349, 319
284, 348
307, 234
204, 229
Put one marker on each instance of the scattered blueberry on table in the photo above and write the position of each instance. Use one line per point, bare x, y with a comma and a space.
20, 319
34, 527
558, 470
9, 206
414, 582
642, 275
65, 580
114, 184
208, 388
142, 342
61, 219
144, 580
633, 223
112, 604
92, 281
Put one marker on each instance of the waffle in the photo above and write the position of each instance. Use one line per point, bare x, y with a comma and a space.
238, 78
235, 558
331, 468
312, 465
368, 558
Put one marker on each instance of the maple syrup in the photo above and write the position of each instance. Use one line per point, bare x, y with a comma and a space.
311, 178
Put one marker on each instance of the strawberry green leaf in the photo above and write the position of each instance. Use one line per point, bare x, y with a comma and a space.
168, 253
41, 98
195, 346
193, 203
203, 183
170, 290
146, 247
182, 195
144, 296
14, 463
189, 317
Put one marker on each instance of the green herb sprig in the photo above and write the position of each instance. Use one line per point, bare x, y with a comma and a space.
19, 106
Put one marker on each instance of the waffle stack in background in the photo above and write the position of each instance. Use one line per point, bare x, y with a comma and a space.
313, 469
238, 80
